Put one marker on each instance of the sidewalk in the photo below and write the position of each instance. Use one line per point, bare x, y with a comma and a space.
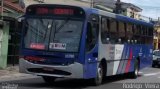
9, 70
11, 73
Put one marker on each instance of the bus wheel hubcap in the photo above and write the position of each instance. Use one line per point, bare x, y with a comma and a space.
99, 79
136, 71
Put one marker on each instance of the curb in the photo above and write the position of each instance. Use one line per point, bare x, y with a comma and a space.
14, 77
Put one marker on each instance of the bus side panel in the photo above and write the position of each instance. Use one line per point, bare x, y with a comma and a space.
123, 62
116, 57
106, 51
146, 58
128, 59
138, 52
91, 64
150, 56
135, 52
81, 58
131, 53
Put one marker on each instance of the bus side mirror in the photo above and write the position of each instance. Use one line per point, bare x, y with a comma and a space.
21, 19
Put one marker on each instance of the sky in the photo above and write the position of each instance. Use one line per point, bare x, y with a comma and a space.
151, 8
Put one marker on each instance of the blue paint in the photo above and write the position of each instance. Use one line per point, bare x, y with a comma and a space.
131, 20
90, 66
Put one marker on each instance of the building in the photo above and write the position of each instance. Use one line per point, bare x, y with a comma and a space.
128, 9
9, 32
157, 35
65, 2
14, 8
11, 8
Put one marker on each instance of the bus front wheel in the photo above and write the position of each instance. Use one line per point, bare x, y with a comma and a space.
49, 80
99, 78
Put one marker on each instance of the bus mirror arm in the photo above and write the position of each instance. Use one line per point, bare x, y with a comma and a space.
21, 19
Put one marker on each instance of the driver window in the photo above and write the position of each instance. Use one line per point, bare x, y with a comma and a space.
92, 34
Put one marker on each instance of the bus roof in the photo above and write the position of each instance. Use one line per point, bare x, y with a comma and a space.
119, 17
104, 13
132, 20
123, 18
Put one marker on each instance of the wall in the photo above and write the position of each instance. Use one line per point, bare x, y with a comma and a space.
157, 36
130, 11
155, 43
4, 45
66, 2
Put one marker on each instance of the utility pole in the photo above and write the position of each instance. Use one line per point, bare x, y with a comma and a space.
92, 3
118, 8
1, 20
2, 10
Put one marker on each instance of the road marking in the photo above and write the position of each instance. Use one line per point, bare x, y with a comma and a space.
151, 74
140, 72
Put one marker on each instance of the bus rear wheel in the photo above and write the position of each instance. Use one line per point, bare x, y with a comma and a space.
134, 74
48, 79
99, 78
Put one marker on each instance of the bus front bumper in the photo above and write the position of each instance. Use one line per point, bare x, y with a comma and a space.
70, 71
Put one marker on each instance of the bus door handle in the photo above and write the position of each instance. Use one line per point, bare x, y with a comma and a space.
95, 55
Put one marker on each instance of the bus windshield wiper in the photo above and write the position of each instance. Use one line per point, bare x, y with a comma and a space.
62, 25
46, 31
35, 29
59, 28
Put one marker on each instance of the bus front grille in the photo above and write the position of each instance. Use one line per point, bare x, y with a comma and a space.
55, 71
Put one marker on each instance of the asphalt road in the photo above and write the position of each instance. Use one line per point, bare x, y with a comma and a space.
149, 78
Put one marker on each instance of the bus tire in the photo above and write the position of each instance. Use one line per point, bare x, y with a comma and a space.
49, 80
99, 77
134, 74
153, 65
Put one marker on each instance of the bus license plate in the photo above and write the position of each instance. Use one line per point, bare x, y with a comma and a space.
48, 69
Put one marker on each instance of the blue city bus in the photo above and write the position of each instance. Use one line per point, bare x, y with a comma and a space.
63, 41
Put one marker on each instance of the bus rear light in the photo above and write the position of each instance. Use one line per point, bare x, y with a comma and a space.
32, 58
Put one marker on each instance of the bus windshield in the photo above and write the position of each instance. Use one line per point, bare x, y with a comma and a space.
53, 34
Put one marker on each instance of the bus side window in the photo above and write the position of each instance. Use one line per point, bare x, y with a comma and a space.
113, 31
91, 37
150, 31
121, 29
105, 36
92, 32
129, 33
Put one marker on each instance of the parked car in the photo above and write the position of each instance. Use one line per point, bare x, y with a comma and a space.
156, 58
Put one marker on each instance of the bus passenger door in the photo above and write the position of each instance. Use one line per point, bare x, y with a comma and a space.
91, 53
